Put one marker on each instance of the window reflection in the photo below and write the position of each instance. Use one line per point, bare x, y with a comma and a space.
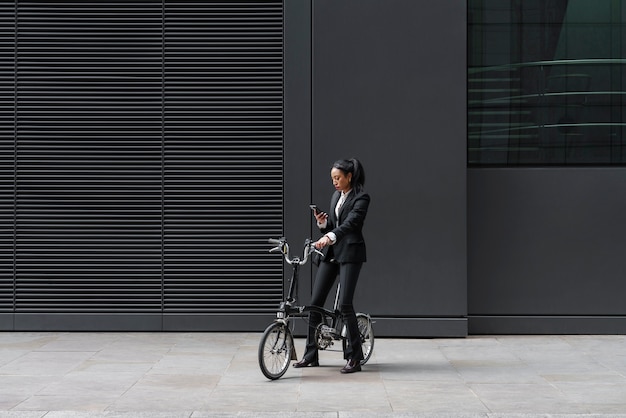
546, 82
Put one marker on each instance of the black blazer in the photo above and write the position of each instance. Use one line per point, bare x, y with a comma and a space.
350, 245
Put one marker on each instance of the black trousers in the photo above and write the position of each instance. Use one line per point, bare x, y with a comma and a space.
324, 281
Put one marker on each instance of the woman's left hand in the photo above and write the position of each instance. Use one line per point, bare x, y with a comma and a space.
322, 242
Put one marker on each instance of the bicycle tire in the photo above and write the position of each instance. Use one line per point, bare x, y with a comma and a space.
275, 350
364, 322
367, 336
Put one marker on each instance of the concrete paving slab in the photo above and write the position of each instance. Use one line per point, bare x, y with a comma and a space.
120, 375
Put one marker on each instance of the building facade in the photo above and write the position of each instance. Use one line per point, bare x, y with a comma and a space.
149, 149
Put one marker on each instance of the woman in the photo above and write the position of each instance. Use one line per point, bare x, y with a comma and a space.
344, 254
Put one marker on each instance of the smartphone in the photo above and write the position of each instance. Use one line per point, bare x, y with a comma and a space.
315, 209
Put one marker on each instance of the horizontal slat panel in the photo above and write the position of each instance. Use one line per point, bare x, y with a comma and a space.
89, 159
7, 151
223, 155
148, 169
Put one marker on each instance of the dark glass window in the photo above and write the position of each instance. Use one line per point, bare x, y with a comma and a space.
546, 82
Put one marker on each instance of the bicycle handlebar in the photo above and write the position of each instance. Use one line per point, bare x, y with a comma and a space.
283, 248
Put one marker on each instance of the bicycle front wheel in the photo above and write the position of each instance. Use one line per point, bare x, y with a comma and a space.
275, 350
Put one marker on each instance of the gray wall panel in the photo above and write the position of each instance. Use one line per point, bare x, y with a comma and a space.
389, 89
547, 325
6, 321
88, 322
546, 243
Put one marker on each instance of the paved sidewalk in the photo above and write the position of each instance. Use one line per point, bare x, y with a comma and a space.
217, 375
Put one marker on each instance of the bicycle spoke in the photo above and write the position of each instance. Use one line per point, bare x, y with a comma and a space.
275, 351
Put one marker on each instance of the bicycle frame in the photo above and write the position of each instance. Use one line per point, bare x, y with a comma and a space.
287, 307
277, 348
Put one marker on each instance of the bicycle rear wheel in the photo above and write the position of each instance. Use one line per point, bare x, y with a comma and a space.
364, 322
367, 335
275, 350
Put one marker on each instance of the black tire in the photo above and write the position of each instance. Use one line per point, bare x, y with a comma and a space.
364, 322
275, 350
367, 336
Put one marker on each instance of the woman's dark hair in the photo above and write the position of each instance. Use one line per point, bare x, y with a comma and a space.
355, 167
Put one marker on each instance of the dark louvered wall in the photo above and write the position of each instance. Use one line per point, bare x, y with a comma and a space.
147, 172
7, 154
223, 155
89, 92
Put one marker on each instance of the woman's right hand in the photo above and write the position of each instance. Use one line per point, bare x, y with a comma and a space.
322, 242
320, 217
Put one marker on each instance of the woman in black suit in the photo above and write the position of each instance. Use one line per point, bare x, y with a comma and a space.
344, 254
